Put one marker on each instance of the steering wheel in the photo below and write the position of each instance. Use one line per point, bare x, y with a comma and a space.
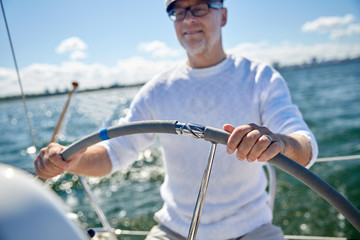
217, 136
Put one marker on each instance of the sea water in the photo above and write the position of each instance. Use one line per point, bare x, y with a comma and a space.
328, 97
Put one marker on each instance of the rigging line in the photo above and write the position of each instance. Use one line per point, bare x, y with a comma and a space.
338, 158
18, 77
61, 119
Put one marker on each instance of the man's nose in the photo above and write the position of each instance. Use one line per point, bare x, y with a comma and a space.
188, 15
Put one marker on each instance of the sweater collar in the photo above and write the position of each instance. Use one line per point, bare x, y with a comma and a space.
209, 71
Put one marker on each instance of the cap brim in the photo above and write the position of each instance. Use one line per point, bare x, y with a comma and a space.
169, 4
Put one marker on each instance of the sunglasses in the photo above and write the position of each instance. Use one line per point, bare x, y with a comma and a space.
198, 10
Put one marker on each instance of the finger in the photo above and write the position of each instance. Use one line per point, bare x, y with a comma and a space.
37, 163
247, 144
228, 128
49, 163
53, 154
273, 150
259, 147
46, 170
236, 137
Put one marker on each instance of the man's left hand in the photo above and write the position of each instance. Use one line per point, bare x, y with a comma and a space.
253, 142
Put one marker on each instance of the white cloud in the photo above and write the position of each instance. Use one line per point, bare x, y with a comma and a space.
290, 54
8, 82
78, 55
347, 32
74, 46
38, 78
326, 24
158, 49
71, 44
336, 26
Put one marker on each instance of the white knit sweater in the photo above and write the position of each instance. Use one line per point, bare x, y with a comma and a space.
236, 91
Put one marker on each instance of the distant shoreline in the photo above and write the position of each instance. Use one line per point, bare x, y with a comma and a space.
38, 95
315, 63
275, 65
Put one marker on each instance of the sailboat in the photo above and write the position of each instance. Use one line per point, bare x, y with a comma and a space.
39, 214
44, 215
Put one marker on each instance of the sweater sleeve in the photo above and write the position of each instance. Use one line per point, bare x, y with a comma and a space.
124, 150
278, 112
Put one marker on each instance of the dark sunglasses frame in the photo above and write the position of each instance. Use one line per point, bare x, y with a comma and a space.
172, 15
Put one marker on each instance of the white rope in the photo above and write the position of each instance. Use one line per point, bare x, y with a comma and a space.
289, 237
339, 158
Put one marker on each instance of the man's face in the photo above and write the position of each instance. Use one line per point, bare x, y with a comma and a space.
199, 35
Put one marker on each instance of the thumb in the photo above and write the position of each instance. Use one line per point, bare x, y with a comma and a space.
228, 128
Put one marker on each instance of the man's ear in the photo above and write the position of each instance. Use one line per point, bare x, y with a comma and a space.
223, 16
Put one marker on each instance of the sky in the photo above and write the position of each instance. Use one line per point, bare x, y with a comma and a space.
100, 43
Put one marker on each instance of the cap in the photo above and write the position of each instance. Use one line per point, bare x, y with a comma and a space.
169, 3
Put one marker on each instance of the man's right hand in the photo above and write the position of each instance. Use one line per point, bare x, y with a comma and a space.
49, 162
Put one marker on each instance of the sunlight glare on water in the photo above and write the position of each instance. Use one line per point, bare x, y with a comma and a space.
328, 97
